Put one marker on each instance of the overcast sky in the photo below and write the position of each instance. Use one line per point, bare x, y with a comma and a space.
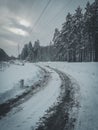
22, 21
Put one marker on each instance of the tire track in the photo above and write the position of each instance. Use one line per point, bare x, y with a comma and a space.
26, 115
62, 116
8, 105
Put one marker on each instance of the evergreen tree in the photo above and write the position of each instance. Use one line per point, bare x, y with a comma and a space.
57, 43
24, 52
56, 37
66, 33
94, 26
77, 32
76, 41
88, 56
36, 50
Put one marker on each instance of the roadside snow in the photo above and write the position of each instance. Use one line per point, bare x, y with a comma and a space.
86, 74
11, 76
26, 115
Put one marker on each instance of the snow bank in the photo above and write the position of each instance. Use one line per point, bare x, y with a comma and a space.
10, 79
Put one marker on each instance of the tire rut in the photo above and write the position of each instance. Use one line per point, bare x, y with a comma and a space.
8, 105
63, 115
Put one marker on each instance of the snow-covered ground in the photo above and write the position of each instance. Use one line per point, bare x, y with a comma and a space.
10, 76
26, 115
86, 74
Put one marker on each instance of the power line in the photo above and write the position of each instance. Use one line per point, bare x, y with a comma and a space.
38, 19
60, 11
41, 14
45, 10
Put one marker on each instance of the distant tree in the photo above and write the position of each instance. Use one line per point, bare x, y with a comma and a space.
36, 45
24, 52
27, 49
30, 46
36, 50
76, 41
56, 36
3, 55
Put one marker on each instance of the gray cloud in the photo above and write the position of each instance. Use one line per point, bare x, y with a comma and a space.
17, 18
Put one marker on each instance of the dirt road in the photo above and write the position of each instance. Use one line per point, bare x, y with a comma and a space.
52, 104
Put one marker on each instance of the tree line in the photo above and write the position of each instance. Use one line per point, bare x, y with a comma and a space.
37, 53
77, 40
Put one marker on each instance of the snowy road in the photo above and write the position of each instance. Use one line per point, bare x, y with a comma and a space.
54, 107
63, 115
58, 95
86, 74
26, 115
